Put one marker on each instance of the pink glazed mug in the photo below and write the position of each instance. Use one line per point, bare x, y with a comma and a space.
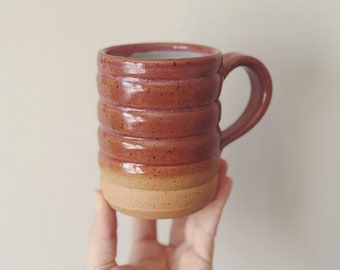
159, 113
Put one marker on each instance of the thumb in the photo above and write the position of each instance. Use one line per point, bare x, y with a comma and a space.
103, 239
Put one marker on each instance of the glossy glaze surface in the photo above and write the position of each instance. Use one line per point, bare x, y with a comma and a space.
159, 132
156, 123
159, 94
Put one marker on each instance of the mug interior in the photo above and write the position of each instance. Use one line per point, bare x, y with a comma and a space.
160, 51
165, 54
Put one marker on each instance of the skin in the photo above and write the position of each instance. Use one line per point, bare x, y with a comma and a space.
191, 242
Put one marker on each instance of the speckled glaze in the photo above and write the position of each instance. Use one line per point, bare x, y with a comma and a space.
159, 134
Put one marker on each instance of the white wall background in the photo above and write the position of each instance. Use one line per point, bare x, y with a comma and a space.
284, 209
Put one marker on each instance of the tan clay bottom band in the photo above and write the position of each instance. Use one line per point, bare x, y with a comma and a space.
155, 204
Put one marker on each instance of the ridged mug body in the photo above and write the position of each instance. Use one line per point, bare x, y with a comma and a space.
159, 133
159, 114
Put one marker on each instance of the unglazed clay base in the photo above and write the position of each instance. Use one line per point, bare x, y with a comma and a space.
157, 192
157, 204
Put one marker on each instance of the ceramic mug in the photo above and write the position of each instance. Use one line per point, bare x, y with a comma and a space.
159, 113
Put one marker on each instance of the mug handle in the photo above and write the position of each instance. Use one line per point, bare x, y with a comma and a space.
260, 94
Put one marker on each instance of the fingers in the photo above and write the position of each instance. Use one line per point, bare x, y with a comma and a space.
222, 170
178, 229
144, 238
211, 214
202, 226
177, 234
103, 239
143, 230
223, 189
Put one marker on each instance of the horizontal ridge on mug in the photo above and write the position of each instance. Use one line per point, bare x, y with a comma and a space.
159, 151
159, 124
156, 94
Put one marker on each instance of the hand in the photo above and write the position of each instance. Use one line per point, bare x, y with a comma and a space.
191, 241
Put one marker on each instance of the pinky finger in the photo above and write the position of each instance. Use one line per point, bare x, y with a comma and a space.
211, 214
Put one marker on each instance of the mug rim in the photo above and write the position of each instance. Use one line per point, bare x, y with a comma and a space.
122, 52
